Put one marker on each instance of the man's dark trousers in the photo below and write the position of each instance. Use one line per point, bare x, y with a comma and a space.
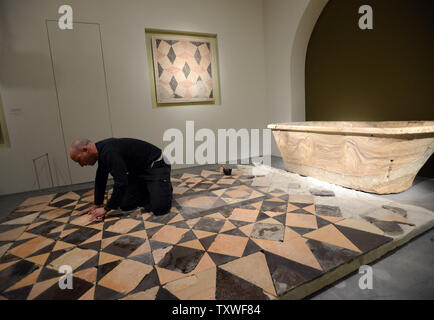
152, 189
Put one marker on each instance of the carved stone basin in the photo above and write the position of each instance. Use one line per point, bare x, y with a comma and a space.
378, 157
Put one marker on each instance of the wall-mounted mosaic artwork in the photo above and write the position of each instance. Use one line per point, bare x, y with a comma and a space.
184, 68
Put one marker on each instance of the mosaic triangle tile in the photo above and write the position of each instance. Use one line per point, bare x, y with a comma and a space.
4, 248
89, 294
150, 281
270, 221
155, 245
188, 236
228, 245
288, 274
145, 258
74, 258
251, 247
17, 243
164, 294
294, 249
26, 281
88, 275
365, 241
291, 207
202, 234
17, 294
280, 218
27, 219
177, 218
30, 247
207, 241
40, 287
261, 216
231, 287
12, 234
234, 232
39, 259
103, 293
159, 253
301, 198
92, 246
151, 231
169, 234
201, 286
124, 245
247, 229
38, 207
107, 258
331, 219
259, 276
166, 275
96, 237
359, 225
55, 292
246, 215
118, 279
149, 294
103, 269
37, 200
395, 217
47, 274
272, 214
143, 248
194, 244
329, 234
301, 220
227, 226
329, 255
25, 236
290, 233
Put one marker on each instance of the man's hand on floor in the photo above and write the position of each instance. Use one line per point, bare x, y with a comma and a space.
88, 210
97, 214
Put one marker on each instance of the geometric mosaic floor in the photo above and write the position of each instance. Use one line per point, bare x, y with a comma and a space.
225, 238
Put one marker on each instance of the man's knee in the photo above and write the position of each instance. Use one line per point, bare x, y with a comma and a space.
128, 206
161, 207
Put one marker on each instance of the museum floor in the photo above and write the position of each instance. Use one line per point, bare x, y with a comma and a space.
233, 237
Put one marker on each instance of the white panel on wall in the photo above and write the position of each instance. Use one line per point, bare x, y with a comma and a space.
81, 88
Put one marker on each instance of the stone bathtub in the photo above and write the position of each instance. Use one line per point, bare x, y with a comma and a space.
377, 157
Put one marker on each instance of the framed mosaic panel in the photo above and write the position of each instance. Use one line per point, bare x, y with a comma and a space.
184, 68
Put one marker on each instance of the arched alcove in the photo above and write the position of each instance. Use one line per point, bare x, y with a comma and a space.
298, 56
381, 74
373, 75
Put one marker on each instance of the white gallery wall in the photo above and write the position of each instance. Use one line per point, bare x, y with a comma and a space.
288, 25
254, 47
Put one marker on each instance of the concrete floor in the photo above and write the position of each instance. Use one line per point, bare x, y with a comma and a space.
406, 273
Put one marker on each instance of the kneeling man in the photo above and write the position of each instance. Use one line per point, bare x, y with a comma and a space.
141, 176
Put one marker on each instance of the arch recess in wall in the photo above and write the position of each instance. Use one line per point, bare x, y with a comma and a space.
298, 55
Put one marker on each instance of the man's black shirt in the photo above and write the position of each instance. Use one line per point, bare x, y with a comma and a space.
121, 157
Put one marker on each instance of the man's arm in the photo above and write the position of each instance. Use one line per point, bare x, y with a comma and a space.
118, 170
100, 185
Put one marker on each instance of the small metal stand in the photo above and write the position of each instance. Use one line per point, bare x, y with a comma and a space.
36, 171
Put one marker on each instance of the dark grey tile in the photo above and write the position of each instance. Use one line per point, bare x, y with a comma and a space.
268, 231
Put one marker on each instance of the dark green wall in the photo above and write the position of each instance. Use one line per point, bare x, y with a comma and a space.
377, 75
382, 74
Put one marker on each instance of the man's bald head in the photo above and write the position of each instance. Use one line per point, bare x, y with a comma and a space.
79, 143
84, 152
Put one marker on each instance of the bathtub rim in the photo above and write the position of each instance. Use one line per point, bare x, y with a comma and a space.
347, 128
